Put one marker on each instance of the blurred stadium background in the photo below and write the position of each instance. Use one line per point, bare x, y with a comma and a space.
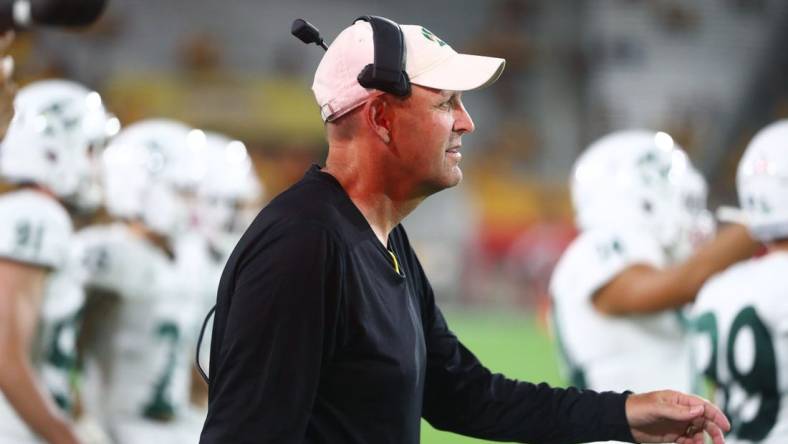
709, 72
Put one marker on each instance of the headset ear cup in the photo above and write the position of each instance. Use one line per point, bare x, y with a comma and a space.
404, 85
365, 78
387, 73
401, 88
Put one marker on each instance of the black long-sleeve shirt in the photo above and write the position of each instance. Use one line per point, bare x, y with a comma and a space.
323, 336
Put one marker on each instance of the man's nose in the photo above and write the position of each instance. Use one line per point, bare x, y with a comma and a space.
463, 122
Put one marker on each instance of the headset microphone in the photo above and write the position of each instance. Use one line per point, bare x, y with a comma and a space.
307, 33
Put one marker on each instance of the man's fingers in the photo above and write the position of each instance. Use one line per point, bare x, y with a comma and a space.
715, 432
697, 438
678, 412
710, 412
715, 415
686, 440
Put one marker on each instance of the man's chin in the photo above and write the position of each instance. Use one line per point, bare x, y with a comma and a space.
453, 178
457, 174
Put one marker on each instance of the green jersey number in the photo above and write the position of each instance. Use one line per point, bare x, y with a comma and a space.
759, 381
28, 238
160, 406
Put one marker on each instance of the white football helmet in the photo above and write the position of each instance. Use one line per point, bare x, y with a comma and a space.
697, 223
145, 169
228, 185
90, 194
631, 178
762, 183
58, 126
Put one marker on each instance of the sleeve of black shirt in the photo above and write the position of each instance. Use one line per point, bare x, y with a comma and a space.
278, 330
462, 396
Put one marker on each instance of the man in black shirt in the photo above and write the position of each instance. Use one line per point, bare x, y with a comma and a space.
326, 327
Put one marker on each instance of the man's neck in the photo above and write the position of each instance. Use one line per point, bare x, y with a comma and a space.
383, 206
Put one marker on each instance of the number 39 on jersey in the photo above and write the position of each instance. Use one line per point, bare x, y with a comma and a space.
740, 343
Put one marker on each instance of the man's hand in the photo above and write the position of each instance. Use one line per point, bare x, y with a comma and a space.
668, 416
7, 85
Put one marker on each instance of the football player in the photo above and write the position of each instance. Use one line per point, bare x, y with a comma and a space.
223, 196
615, 292
740, 319
228, 189
46, 154
140, 316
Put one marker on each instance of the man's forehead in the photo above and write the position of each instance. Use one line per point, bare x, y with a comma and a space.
444, 93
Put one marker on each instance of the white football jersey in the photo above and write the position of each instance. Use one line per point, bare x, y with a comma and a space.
35, 229
602, 352
196, 258
143, 347
740, 342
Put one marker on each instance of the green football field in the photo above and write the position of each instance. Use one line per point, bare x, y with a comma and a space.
506, 342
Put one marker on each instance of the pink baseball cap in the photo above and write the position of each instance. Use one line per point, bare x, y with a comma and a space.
430, 62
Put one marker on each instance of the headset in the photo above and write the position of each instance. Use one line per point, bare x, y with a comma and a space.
386, 74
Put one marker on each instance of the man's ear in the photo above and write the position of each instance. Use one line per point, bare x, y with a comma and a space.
378, 114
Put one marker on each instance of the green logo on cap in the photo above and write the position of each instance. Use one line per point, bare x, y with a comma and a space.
432, 37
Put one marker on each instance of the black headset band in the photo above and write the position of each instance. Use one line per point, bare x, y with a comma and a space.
387, 73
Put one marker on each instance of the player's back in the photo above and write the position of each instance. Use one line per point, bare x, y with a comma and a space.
138, 342
740, 342
36, 230
604, 352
